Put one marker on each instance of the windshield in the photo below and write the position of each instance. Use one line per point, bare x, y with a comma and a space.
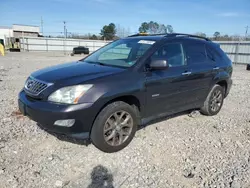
122, 53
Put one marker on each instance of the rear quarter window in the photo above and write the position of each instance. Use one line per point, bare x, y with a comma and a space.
195, 52
213, 54
219, 53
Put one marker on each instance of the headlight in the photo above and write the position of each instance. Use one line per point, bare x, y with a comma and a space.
69, 95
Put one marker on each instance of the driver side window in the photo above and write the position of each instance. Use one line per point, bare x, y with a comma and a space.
173, 53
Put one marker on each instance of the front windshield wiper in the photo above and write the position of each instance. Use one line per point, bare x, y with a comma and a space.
97, 62
104, 64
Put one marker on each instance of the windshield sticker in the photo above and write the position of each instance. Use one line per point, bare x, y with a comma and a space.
146, 42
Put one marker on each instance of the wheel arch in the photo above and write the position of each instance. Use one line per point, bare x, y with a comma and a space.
224, 84
222, 79
129, 99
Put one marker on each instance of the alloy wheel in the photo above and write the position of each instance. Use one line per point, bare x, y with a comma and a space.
118, 128
216, 100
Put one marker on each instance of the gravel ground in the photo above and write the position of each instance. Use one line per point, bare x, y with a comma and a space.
181, 151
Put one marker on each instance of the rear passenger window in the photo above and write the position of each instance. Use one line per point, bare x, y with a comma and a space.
173, 53
196, 53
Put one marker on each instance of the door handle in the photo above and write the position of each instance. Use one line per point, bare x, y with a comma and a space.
216, 68
186, 73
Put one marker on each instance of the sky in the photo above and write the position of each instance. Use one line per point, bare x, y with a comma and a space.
89, 16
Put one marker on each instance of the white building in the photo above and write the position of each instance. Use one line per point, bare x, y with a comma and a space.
18, 31
25, 30
5, 32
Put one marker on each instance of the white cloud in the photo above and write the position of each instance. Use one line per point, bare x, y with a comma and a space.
229, 14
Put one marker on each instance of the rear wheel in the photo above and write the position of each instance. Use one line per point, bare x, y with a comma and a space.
114, 127
214, 101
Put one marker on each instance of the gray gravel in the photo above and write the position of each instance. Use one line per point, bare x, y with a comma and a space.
181, 151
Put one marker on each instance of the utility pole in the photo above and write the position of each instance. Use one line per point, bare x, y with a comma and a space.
246, 31
42, 24
65, 30
65, 33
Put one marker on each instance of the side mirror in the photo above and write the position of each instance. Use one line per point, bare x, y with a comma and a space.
159, 64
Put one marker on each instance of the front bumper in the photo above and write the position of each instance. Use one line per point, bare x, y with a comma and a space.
46, 113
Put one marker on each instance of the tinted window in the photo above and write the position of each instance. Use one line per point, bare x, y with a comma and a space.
220, 51
119, 52
196, 53
173, 53
142, 49
212, 54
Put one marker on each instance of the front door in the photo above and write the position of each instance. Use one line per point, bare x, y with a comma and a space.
166, 90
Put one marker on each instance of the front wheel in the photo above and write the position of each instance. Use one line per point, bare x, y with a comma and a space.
114, 127
214, 101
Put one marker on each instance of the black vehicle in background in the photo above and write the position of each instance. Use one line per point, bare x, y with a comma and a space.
128, 82
80, 50
248, 66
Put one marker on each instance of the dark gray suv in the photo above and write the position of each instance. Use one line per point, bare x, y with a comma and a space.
106, 95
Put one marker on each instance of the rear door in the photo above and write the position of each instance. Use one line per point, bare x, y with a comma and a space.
202, 69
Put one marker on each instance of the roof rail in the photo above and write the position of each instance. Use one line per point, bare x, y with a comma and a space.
170, 35
188, 35
146, 34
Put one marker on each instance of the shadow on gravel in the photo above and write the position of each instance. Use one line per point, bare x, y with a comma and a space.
101, 178
66, 138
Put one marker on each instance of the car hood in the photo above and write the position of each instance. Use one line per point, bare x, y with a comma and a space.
78, 72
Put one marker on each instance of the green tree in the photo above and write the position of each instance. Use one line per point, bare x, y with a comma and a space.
144, 27
170, 29
154, 27
216, 34
108, 32
201, 34
93, 37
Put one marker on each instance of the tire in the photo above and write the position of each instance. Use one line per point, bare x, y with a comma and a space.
107, 123
212, 106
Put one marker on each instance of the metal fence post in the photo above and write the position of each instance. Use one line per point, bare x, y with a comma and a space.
47, 47
27, 43
23, 41
236, 53
64, 47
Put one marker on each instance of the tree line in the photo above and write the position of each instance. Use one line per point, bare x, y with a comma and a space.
112, 32
217, 36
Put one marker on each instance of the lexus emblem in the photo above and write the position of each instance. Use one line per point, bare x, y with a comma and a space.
30, 84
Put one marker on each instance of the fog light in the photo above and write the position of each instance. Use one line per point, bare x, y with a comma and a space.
65, 122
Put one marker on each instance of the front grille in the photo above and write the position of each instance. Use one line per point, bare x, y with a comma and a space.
35, 87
